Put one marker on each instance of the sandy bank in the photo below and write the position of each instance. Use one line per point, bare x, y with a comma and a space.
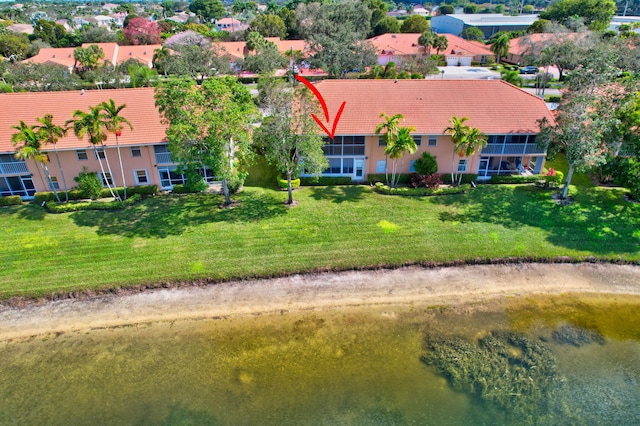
441, 286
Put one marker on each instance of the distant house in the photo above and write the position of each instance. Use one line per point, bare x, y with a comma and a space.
231, 25
113, 53
398, 47
237, 50
523, 49
428, 105
489, 23
21, 28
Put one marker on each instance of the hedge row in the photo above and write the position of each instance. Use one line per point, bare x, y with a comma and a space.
283, 184
75, 194
516, 179
381, 188
405, 178
10, 200
325, 181
53, 207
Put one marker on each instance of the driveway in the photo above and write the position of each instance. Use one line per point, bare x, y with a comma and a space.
467, 73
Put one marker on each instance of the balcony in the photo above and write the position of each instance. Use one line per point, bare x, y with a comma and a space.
513, 149
14, 168
163, 158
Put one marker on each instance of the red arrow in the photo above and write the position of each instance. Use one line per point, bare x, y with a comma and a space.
324, 108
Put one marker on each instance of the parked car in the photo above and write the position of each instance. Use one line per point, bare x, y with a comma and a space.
529, 70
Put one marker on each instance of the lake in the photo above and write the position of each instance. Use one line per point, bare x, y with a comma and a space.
557, 359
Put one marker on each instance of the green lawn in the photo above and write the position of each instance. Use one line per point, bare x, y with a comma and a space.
187, 237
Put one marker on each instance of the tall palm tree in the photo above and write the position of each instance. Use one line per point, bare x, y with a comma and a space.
30, 149
426, 40
51, 133
402, 144
390, 128
458, 131
91, 124
500, 46
114, 123
473, 141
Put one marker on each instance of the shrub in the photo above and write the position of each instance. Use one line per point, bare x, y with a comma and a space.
426, 164
515, 179
466, 178
91, 205
553, 98
144, 190
380, 177
183, 189
10, 200
282, 183
89, 183
553, 177
425, 181
381, 188
325, 180
235, 183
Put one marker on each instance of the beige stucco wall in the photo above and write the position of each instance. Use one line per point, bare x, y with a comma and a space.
442, 152
72, 166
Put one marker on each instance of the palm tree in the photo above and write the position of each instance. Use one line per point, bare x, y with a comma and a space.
402, 144
51, 133
500, 46
390, 128
30, 149
440, 43
426, 40
91, 124
473, 141
458, 131
113, 123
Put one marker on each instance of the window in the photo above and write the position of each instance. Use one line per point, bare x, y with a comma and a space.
136, 151
53, 184
347, 165
381, 141
462, 166
412, 166
334, 166
344, 145
417, 139
381, 166
81, 154
99, 153
106, 179
432, 141
141, 177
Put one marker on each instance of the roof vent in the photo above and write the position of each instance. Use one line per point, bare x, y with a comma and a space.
82, 92
145, 52
130, 53
393, 36
53, 56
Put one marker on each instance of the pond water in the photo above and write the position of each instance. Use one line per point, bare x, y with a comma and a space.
572, 359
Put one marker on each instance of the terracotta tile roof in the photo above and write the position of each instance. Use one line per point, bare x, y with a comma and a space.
524, 45
237, 49
140, 111
112, 52
407, 44
495, 107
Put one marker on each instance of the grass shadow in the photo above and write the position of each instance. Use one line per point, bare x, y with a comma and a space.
25, 211
166, 215
599, 220
338, 194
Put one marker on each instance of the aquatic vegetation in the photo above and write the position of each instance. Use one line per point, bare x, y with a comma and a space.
576, 336
507, 370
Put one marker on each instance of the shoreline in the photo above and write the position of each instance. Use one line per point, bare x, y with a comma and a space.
319, 291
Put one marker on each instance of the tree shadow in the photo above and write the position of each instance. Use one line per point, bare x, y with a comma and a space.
25, 211
166, 215
598, 221
338, 194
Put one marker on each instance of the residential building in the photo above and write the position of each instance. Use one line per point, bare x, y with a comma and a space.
526, 49
507, 114
489, 23
113, 53
230, 25
397, 47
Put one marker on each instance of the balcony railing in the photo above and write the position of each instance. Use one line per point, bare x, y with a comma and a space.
163, 158
14, 168
513, 149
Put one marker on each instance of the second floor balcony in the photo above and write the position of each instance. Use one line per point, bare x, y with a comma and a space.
14, 168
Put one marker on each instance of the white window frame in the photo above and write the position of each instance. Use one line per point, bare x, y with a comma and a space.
417, 139
137, 179
431, 139
381, 141
381, 166
104, 178
54, 184
98, 152
136, 148
412, 166
82, 152
462, 165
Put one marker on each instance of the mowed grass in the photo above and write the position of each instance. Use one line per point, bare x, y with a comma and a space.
173, 238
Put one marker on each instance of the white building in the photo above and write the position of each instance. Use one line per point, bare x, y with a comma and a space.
489, 23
